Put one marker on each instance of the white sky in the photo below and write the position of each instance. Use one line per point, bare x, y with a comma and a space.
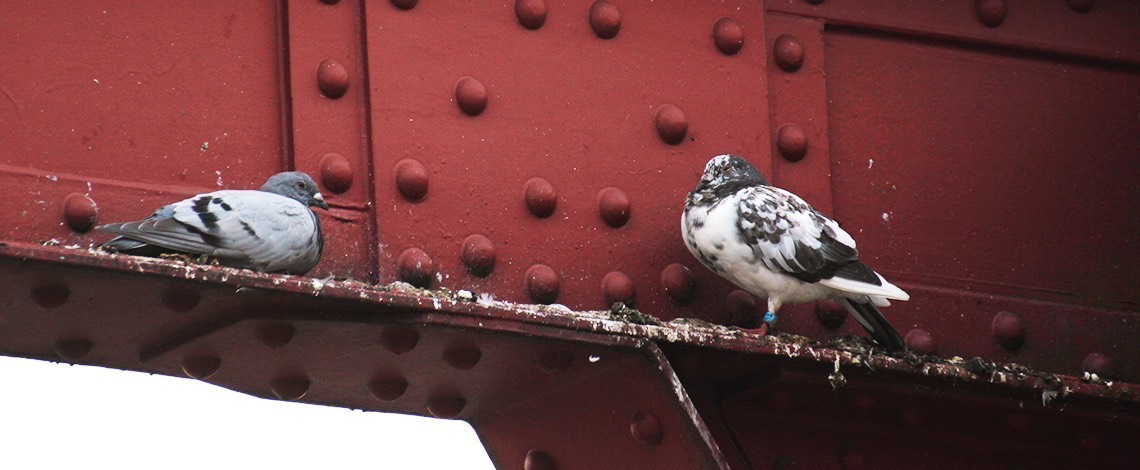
60, 416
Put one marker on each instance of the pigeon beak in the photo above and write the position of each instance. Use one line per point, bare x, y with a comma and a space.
319, 201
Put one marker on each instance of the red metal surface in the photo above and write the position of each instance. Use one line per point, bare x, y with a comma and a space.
980, 152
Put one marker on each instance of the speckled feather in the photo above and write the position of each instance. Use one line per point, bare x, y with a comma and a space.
772, 243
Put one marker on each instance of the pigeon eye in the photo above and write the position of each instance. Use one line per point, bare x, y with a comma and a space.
300, 185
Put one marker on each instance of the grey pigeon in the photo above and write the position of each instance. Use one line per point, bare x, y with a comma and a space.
269, 230
771, 243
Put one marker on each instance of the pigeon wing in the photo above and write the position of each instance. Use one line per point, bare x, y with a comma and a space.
790, 237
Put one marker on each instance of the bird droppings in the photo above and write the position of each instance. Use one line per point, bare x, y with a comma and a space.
191, 259
857, 352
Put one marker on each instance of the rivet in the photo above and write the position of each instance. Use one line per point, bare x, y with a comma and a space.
728, 36
617, 287
405, 4
613, 206
50, 294
671, 124
679, 283
538, 460
555, 361
791, 142
542, 283
399, 339
336, 172
471, 95
830, 314
1008, 329
851, 458
789, 53
415, 267
290, 388
275, 334
332, 78
479, 255
1081, 6
200, 367
388, 387
605, 19
920, 342
540, 197
180, 300
73, 350
446, 406
462, 357
1099, 364
531, 13
991, 12
411, 179
646, 428
742, 309
80, 212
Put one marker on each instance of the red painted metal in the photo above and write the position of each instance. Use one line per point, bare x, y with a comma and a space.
539, 152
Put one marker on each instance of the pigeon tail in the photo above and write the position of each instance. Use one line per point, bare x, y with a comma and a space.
876, 324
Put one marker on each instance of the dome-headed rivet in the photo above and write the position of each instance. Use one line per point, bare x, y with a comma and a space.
388, 387
531, 13
415, 267
791, 142
471, 95
411, 179
332, 78
200, 367
646, 428
50, 294
728, 36
80, 212
788, 52
830, 314
617, 287
336, 172
671, 123
462, 357
605, 19
613, 206
180, 300
479, 255
1099, 364
73, 350
679, 283
1081, 6
921, 342
290, 388
538, 460
405, 4
542, 284
1008, 330
446, 406
540, 197
742, 309
991, 12
399, 339
275, 334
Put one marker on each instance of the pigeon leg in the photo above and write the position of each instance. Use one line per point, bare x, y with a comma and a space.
769, 319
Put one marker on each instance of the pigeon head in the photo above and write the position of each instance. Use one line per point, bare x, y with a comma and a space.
730, 171
296, 185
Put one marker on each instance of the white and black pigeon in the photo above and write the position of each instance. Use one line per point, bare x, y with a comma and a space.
269, 230
771, 243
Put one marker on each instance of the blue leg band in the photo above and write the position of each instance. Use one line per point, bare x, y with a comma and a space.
769, 318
